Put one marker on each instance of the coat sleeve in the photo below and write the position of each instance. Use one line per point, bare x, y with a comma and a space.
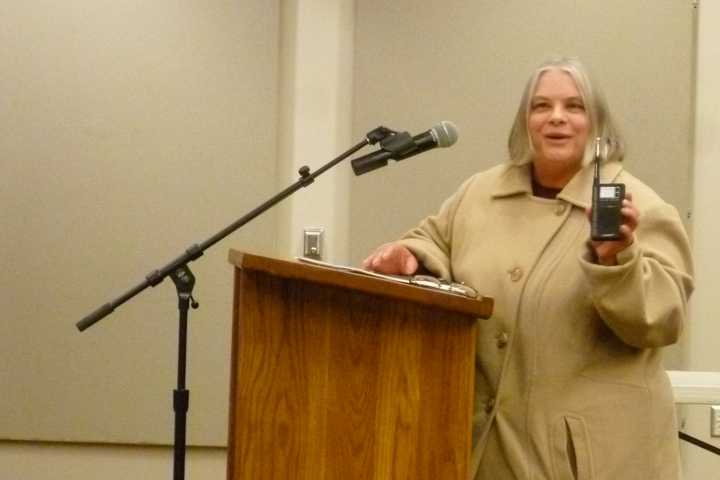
644, 298
431, 240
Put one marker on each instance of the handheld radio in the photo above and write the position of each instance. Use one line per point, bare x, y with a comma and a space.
606, 204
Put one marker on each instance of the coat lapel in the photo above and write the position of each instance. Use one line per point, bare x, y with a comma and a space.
516, 180
579, 190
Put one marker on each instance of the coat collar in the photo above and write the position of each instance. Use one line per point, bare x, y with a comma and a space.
516, 180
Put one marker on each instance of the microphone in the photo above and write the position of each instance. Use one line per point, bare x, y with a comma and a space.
401, 146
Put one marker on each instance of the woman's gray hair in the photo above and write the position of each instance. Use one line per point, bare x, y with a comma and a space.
601, 122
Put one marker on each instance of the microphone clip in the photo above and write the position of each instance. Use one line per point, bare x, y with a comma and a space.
379, 134
398, 144
395, 145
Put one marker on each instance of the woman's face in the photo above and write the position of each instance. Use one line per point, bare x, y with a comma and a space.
558, 123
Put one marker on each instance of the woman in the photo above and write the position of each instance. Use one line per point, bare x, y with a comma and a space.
569, 379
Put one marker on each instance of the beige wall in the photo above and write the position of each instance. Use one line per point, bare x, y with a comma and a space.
703, 333
316, 92
28, 106
128, 131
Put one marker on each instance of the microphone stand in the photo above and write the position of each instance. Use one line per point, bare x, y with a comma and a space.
184, 281
699, 443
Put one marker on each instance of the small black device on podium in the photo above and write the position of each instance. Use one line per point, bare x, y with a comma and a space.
607, 201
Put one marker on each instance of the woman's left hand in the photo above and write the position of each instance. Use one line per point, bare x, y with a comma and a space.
606, 251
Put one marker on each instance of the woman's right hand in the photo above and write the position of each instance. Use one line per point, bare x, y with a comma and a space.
391, 258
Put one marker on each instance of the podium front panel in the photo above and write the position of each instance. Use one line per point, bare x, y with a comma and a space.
332, 383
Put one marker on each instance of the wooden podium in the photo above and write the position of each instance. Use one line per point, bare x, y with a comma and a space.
343, 376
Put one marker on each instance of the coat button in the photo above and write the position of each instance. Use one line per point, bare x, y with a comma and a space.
502, 339
515, 274
489, 405
560, 209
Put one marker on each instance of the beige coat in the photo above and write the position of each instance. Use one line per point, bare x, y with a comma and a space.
569, 381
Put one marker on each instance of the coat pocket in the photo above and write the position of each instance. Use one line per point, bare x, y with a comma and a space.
570, 445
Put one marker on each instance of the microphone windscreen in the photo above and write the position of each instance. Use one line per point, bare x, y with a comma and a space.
445, 133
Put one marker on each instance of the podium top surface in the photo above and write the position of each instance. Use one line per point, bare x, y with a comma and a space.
480, 307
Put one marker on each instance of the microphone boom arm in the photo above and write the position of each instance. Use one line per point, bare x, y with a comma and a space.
195, 251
